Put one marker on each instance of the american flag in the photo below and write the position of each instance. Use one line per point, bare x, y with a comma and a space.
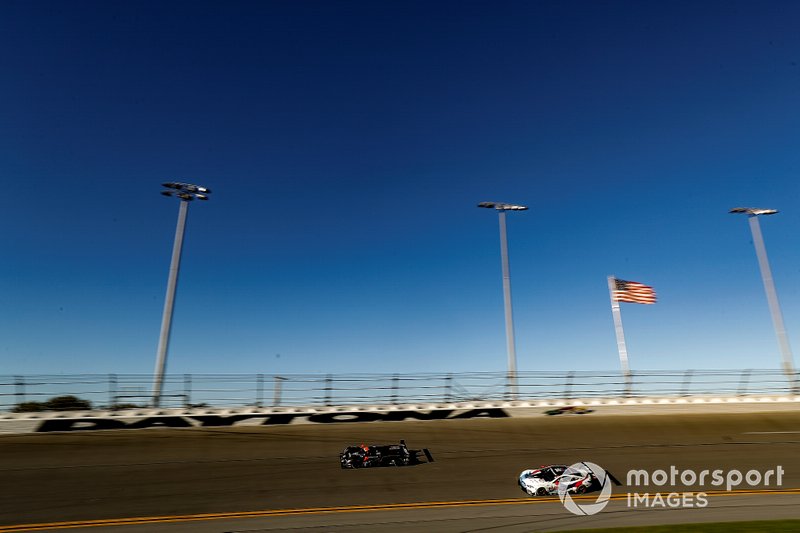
633, 292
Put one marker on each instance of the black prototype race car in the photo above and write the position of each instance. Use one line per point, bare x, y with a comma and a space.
364, 456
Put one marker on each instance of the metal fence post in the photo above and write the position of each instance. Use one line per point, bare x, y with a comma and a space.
395, 385
328, 389
277, 388
629, 383
19, 389
743, 382
187, 390
687, 380
112, 391
259, 390
568, 385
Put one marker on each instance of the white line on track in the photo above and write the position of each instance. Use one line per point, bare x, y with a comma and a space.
770, 432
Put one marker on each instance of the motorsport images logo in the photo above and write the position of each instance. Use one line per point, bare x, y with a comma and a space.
574, 478
579, 470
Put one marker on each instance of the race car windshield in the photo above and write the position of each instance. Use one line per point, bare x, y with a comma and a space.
547, 475
542, 474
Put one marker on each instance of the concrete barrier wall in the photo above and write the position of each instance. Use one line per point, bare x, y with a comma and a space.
22, 423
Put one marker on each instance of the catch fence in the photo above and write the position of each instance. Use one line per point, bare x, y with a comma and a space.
117, 391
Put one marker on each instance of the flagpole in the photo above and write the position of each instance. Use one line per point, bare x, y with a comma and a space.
623, 350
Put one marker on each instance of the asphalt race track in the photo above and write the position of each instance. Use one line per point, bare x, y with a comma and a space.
264, 471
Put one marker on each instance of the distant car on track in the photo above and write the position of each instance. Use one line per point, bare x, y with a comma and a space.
375, 455
574, 410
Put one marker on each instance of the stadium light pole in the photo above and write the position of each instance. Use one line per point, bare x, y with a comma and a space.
501, 209
185, 192
769, 287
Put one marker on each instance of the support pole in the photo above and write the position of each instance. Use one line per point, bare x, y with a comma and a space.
623, 350
772, 300
512, 353
166, 321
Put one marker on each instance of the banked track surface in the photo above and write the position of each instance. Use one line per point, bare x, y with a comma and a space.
162, 473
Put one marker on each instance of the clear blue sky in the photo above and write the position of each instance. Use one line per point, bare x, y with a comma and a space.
347, 145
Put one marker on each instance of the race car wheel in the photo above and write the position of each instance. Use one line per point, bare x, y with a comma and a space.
541, 491
580, 490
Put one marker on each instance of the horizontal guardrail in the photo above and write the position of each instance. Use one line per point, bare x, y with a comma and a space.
121, 391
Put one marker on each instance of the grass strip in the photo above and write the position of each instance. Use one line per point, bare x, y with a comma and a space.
761, 526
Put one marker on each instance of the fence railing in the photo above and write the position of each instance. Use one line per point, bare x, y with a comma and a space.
112, 391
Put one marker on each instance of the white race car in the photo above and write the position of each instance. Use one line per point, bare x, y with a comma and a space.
545, 480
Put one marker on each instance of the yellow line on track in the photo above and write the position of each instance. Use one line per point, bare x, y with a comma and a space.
21, 528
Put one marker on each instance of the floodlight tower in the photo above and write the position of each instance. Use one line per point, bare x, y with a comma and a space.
501, 209
185, 192
769, 286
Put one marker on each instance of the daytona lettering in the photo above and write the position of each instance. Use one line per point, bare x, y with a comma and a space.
91, 424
